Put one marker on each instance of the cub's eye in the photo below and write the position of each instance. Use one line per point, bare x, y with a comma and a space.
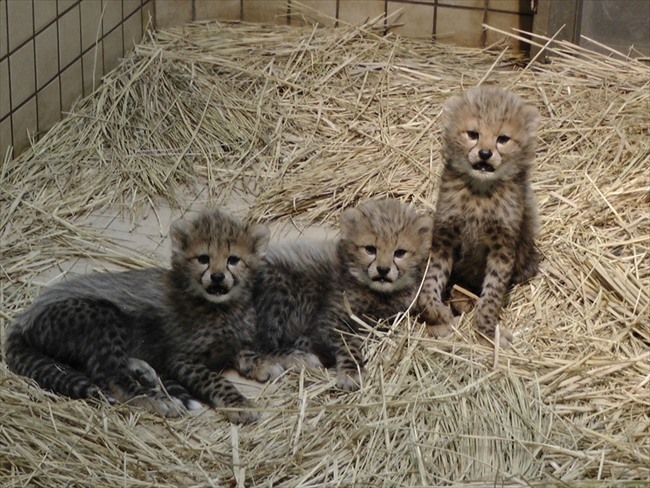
203, 259
372, 250
233, 260
472, 134
502, 139
400, 253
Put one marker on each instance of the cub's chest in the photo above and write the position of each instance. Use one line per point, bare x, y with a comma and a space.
365, 303
480, 214
211, 332
214, 344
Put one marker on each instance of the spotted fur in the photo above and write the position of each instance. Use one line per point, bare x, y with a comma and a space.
486, 215
376, 265
101, 334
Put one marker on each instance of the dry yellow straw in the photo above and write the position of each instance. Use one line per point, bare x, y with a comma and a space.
305, 122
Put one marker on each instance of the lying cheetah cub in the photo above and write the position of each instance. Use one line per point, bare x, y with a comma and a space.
486, 216
103, 333
376, 265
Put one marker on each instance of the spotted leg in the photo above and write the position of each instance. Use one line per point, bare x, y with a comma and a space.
500, 261
210, 387
349, 360
436, 314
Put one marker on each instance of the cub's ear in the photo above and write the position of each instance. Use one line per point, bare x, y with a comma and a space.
180, 234
424, 228
423, 234
350, 220
532, 118
452, 104
260, 234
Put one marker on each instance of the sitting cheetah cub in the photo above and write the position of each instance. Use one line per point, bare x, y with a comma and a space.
486, 216
110, 333
376, 265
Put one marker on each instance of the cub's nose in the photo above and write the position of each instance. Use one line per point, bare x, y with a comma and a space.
217, 277
485, 154
383, 270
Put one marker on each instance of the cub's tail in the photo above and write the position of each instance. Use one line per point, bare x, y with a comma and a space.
25, 360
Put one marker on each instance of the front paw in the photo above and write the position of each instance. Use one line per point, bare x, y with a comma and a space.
240, 413
300, 358
170, 407
308, 359
158, 402
505, 337
439, 331
267, 370
348, 380
438, 318
487, 332
142, 372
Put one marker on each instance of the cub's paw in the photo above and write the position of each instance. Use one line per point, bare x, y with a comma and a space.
175, 407
240, 414
308, 359
439, 331
438, 318
191, 404
300, 358
437, 313
159, 403
188, 401
348, 380
505, 338
267, 370
487, 332
246, 362
97, 393
142, 372
178, 392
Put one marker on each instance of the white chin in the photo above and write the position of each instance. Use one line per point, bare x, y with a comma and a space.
214, 298
383, 286
483, 175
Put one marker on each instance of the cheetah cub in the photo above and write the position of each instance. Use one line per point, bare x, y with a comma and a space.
102, 334
376, 266
486, 215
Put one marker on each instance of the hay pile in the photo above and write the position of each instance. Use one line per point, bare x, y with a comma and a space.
306, 122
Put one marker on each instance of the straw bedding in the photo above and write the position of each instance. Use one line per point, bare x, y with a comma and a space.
306, 122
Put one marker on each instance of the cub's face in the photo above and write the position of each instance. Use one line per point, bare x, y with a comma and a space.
489, 133
385, 244
216, 255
